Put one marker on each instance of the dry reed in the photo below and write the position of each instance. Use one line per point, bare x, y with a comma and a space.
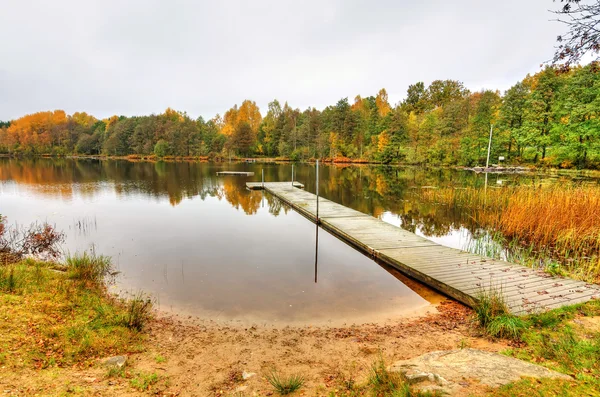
561, 220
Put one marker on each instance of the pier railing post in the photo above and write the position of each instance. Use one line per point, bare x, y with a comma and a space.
292, 175
317, 190
263, 178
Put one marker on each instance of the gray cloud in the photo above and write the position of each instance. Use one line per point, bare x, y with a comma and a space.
139, 57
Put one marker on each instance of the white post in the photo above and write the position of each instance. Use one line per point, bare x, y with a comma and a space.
487, 162
263, 178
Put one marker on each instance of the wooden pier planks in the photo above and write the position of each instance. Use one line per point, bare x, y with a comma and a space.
456, 273
240, 173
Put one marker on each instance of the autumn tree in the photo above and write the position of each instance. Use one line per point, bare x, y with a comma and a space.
243, 138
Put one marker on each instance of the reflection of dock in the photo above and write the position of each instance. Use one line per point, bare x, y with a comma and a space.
457, 273
242, 173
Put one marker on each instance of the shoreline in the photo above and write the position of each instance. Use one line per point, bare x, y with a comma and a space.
504, 169
381, 318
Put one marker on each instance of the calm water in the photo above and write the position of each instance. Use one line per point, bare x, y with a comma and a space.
206, 245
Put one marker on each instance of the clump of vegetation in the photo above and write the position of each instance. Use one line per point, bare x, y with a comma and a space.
143, 381
490, 305
384, 383
8, 281
90, 268
38, 240
493, 316
138, 312
284, 385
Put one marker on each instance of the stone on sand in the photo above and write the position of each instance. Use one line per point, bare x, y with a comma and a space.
450, 370
116, 362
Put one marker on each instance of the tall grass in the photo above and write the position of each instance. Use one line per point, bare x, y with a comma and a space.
8, 279
567, 218
561, 221
89, 268
138, 312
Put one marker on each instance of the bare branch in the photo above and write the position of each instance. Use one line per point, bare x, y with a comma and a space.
582, 36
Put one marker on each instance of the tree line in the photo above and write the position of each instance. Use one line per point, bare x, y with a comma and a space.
549, 118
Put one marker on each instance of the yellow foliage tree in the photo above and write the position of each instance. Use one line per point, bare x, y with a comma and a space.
248, 112
84, 119
383, 107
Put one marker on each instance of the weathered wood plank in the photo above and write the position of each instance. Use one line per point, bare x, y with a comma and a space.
242, 173
456, 273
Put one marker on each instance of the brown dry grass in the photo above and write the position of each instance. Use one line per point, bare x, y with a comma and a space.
561, 221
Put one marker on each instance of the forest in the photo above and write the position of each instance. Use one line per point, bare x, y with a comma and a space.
547, 119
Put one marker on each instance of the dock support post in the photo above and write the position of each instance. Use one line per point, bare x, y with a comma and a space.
263, 178
317, 189
292, 175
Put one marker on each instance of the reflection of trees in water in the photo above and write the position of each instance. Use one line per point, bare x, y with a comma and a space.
369, 189
276, 205
239, 196
378, 189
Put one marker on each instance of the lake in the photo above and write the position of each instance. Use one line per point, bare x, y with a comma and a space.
204, 245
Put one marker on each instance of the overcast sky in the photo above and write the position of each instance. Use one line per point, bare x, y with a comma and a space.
139, 57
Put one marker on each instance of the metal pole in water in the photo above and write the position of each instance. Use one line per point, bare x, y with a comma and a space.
317, 189
263, 178
316, 249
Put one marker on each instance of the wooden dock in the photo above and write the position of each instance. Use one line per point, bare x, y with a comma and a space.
242, 173
456, 273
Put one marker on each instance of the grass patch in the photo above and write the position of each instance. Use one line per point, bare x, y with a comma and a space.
384, 383
490, 304
8, 280
506, 326
547, 388
561, 340
284, 385
115, 372
143, 381
492, 315
52, 320
89, 268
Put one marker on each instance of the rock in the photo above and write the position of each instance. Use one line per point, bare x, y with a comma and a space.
451, 370
247, 375
117, 362
240, 389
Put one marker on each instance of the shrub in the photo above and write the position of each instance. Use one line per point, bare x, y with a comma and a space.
161, 149
39, 240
